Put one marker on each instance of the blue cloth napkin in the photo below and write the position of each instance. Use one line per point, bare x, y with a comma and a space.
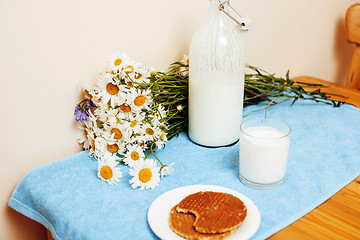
67, 197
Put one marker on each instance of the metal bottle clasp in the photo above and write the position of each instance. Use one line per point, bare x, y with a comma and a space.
243, 23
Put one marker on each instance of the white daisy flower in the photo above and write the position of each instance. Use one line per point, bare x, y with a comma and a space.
134, 153
140, 74
129, 68
166, 170
138, 139
104, 146
111, 116
151, 133
159, 114
92, 118
88, 91
96, 148
86, 132
82, 137
161, 141
108, 90
100, 112
116, 132
185, 59
145, 174
129, 82
118, 61
139, 99
134, 122
125, 111
107, 170
161, 111
184, 70
146, 72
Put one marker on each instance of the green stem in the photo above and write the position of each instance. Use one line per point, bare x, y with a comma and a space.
269, 105
153, 153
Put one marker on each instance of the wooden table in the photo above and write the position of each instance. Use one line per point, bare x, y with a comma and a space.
339, 216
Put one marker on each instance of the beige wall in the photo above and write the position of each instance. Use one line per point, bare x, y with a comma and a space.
48, 48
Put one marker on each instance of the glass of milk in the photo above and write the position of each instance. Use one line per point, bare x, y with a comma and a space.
264, 147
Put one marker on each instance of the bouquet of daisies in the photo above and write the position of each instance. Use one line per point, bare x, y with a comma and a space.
121, 123
133, 110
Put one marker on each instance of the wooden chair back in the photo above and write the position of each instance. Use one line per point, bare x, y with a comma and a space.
352, 20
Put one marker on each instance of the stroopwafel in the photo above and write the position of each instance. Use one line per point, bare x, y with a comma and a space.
207, 215
183, 225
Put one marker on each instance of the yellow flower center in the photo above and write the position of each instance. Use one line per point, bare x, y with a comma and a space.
145, 175
149, 131
130, 84
134, 156
113, 148
162, 137
133, 124
117, 132
125, 108
138, 76
129, 69
106, 172
112, 89
117, 61
139, 100
93, 145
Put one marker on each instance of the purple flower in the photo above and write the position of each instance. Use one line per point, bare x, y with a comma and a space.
77, 109
81, 116
82, 110
90, 104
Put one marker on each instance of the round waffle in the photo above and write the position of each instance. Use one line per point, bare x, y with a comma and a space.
182, 224
215, 212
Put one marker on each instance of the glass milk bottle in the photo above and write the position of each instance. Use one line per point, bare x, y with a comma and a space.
216, 80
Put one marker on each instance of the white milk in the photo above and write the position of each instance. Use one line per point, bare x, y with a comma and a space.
263, 154
215, 109
216, 80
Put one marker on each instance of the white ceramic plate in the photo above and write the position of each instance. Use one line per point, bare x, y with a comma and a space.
158, 213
